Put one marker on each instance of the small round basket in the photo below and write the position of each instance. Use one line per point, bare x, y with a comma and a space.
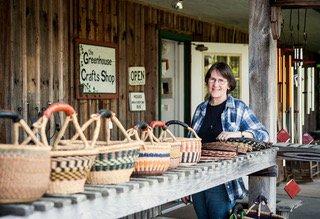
24, 167
71, 160
167, 136
154, 156
190, 147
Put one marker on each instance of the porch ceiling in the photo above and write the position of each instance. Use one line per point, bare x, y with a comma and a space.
235, 13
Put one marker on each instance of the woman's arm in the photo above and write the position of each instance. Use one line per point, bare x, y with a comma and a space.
251, 124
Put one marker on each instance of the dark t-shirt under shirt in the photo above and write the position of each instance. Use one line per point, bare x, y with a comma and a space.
211, 126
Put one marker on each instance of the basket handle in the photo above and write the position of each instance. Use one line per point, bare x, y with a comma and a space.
58, 107
134, 131
111, 115
177, 122
71, 116
165, 130
20, 123
157, 123
15, 117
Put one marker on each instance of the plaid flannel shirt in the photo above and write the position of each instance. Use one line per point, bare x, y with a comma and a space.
237, 116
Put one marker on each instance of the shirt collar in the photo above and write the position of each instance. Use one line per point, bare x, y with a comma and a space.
230, 104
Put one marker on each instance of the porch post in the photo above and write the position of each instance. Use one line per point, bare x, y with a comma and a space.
263, 87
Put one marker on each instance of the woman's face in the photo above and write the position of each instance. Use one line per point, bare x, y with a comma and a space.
218, 85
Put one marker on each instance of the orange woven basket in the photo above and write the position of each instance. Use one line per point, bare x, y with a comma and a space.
24, 168
175, 152
154, 156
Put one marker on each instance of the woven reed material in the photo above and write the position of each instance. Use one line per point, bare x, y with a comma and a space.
218, 154
252, 144
70, 167
66, 187
110, 177
123, 159
226, 146
24, 175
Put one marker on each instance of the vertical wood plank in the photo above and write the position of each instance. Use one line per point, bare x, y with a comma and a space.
83, 16
23, 55
5, 65
130, 52
122, 38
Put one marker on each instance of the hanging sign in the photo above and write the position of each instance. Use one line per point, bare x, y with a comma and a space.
97, 71
137, 75
137, 101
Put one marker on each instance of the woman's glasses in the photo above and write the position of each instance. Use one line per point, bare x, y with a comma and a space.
219, 81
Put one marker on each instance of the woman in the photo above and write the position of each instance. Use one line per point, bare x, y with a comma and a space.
222, 117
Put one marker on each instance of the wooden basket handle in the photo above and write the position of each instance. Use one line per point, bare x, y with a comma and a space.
71, 116
20, 123
177, 122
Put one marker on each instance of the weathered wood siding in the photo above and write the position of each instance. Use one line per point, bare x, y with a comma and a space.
37, 51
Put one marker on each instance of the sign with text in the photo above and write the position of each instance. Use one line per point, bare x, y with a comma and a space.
97, 69
137, 76
137, 101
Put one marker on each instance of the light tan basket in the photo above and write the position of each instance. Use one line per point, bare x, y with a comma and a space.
71, 160
115, 162
24, 168
167, 136
154, 156
190, 147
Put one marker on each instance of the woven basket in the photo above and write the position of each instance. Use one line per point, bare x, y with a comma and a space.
154, 156
167, 136
115, 161
71, 160
190, 147
226, 146
24, 168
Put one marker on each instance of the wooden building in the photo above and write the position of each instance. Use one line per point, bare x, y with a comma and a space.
38, 52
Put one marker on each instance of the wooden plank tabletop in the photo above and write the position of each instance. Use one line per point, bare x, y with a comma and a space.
142, 193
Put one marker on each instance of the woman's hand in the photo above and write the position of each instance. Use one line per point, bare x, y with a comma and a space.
223, 136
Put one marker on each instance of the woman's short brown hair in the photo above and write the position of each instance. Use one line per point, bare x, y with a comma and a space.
225, 71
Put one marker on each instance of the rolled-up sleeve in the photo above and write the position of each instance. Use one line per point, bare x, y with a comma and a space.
250, 123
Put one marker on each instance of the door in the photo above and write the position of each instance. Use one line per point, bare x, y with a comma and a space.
236, 55
172, 83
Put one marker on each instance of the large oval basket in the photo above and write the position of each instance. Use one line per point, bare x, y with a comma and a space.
24, 169
71, 160
115, 161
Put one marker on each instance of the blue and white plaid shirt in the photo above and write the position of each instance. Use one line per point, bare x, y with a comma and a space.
237, 116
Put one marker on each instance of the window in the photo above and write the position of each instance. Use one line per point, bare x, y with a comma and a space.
233, 60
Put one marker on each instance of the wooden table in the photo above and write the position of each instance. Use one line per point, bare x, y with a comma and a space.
142, 193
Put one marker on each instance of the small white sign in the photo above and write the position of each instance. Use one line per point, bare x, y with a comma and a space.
97, 69
137, 75
137, 101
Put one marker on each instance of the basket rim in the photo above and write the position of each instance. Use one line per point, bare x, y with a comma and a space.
82, 152
24, 147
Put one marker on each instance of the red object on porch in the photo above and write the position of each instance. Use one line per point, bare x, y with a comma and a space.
307, 138
292, 188
283, 136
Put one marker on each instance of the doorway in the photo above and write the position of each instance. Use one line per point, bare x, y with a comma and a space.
174, 79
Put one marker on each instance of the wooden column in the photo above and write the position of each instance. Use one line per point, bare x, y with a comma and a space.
264, 183
262, 66
262, 77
